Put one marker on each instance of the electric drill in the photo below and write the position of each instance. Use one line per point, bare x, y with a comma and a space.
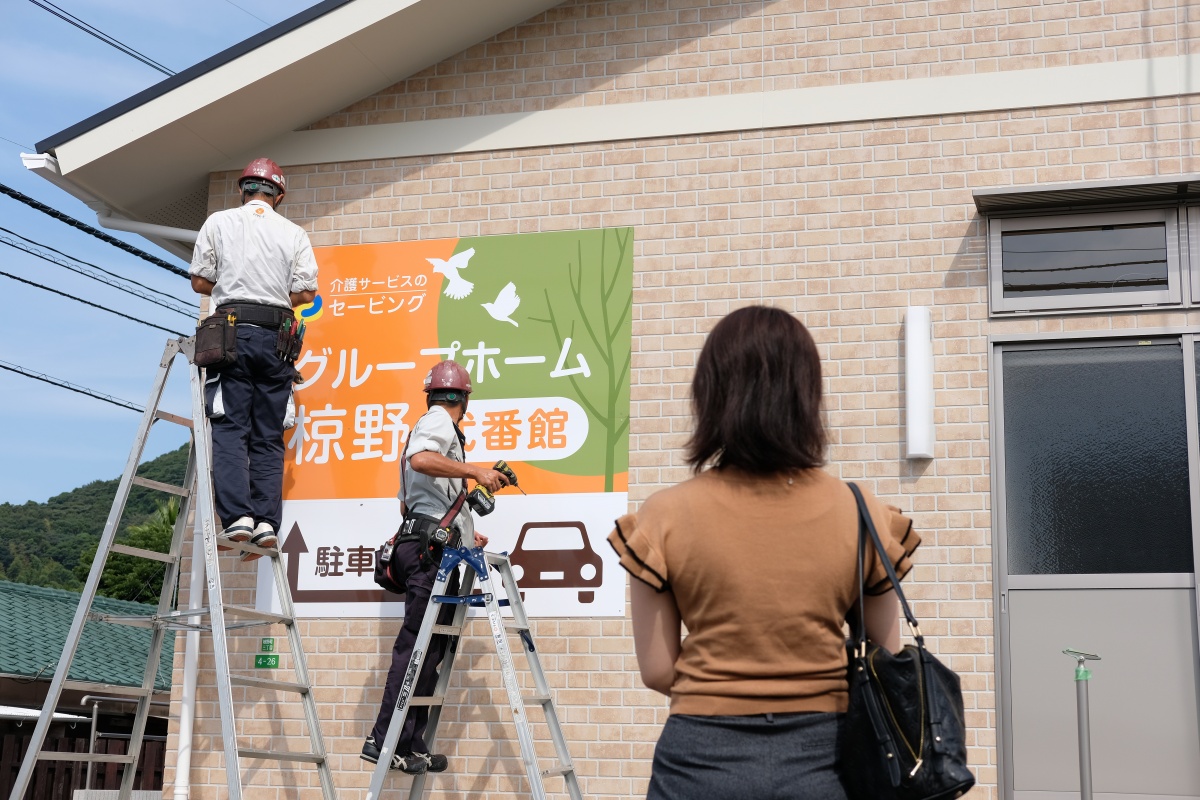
481, 500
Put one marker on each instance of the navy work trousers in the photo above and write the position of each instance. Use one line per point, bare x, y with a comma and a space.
248, 440
418, 585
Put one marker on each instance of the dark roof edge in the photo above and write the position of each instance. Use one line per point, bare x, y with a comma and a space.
1149, 188
191, 73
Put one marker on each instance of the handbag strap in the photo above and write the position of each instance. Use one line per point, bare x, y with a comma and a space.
866, 527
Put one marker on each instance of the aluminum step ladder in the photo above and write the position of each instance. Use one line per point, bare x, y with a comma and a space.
478, 564
195, 495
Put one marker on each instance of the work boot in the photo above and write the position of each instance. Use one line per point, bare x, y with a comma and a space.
241, 530
409, 763
435, 762
264, 536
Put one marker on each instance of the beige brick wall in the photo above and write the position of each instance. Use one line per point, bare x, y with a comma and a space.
593, 52
842, 225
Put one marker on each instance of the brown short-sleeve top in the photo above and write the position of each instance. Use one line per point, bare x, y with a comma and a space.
763, 573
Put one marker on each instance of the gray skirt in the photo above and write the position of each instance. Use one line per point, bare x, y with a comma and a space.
761, 757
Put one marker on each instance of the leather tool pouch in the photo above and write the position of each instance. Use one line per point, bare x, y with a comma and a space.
216, 341
287, 345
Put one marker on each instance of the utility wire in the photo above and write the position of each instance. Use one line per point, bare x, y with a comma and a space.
93, 305
178, 307
251, 13
191, 310
39, 376
18, 144
101, 235
70, 18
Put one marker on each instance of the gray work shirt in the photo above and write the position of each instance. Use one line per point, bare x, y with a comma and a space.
423, 494
250, 252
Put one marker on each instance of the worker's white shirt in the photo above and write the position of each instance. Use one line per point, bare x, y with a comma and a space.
249, 252
424, 494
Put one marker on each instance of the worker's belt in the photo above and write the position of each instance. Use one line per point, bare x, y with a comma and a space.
257, 314
416, 526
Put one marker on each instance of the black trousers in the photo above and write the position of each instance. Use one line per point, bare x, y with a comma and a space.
418, 586
248, 445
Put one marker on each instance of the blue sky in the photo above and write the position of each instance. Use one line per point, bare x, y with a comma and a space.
53, 75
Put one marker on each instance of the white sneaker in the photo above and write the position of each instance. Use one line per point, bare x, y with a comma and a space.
264, 536
240, 531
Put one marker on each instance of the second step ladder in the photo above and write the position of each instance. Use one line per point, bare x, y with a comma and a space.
479, 565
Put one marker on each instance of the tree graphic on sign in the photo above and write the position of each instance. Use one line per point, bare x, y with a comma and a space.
603, 302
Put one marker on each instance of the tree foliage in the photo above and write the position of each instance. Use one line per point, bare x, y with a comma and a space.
43, 543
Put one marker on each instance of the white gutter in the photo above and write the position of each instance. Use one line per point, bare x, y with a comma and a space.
106, 220
47, 167
191, 661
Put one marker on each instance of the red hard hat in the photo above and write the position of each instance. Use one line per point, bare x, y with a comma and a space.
448, 375
264, 169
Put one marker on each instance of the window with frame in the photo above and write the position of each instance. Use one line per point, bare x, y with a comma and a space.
1085, 261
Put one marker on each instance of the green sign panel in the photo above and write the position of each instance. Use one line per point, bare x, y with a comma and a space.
268, 644
266, 662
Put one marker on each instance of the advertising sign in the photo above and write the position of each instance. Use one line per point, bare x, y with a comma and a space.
542, 324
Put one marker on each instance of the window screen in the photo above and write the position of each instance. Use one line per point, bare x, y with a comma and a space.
1090, 260
1095, 460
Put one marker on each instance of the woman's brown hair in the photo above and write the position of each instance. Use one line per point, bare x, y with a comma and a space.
757, 395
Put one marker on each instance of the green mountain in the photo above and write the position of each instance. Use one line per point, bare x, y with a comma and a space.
43, 544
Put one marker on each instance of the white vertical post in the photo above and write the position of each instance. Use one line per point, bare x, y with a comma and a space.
918, 382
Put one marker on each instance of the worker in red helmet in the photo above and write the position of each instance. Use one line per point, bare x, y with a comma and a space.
433, 488
257, 265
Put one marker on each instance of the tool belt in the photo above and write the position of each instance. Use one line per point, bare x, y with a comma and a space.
432, 533
283, 320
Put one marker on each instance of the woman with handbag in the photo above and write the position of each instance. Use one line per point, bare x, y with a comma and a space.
756, 555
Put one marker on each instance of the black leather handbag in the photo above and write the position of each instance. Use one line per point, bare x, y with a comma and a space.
903, 737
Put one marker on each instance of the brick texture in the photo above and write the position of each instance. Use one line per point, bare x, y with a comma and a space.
841, 225
594, 52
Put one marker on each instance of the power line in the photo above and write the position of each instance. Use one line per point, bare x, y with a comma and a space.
239, 8
93, 305
18, 144
79, 270
101, 235
70, 18
40, 376
191, 312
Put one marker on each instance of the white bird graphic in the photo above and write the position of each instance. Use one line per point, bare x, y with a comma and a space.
506, 303
457, 288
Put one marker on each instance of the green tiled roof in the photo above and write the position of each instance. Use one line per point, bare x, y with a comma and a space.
34, 622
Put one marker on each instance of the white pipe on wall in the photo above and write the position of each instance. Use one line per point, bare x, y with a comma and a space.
191, 662
918, 382
146, 228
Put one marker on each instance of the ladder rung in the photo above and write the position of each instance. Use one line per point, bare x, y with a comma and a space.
246, 547
138, 552
276, 755
254, 613
514, 628
118, 619
168, 417
448, 630
537, 699
266, 683
160, 486
66, 755
432, 700
91, 687
559, 770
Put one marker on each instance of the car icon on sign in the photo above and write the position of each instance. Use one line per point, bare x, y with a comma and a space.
556, 555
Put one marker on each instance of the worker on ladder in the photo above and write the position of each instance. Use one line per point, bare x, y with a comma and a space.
257, 265
433, 491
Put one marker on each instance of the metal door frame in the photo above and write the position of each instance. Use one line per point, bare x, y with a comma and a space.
1189, 338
